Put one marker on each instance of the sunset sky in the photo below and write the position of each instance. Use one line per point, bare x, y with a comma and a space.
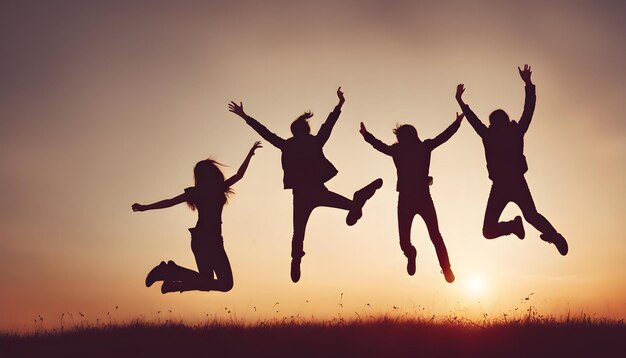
103, 104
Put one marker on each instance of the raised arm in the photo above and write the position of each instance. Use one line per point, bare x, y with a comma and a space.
478, 126
244, 166
375, 142
275, 140
324, 133
530, 100
448, 133
161, 204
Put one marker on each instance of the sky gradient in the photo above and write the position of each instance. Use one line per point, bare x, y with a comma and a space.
106, 104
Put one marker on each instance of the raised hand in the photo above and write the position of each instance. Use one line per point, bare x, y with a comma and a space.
459, 91
256, 145
459, 116
236, 109
137, 207
525, 74
340, 95
363, 130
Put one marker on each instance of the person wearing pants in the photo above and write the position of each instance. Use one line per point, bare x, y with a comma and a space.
208, 196
305, 170
503, 141
411, 157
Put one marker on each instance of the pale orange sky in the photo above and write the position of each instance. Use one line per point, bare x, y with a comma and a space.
106, 104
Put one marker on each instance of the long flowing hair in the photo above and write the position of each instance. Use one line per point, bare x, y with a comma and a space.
208, 177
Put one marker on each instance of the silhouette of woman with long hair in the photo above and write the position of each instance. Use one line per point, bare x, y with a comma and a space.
208, 196
411, 157
504, 151
306, 169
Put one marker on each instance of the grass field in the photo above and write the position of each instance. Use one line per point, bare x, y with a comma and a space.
380, 337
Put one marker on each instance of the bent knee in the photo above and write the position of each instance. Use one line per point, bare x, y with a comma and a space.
221, 285
489, 233
226, 285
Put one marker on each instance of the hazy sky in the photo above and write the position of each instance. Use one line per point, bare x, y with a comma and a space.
103, 104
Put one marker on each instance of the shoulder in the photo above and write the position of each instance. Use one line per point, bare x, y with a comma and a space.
191, 192
427, 143
514, 125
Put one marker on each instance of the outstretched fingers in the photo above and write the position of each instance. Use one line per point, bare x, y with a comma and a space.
236, 108
232, 106
256, 146
525, 73
460, 88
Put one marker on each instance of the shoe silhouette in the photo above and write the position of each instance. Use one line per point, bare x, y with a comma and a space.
518, 228
558, 240
449, 276
295, 269
411, 264
158, 273
359, 198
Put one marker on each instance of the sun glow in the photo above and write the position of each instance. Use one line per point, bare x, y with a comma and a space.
476, 285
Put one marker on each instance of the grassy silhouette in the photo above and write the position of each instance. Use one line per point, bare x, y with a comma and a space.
529, 335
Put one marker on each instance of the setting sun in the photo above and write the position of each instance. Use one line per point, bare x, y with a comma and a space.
476, 285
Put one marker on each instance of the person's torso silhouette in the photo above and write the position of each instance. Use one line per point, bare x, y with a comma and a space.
412, 161
304, 163
209, 204
504, 151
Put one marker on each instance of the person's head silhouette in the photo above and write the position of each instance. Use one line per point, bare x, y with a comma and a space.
206, 174
498, 119
209, 178
300, 126
406, 133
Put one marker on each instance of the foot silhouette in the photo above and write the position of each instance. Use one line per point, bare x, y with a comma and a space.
359, 199
295, 269
171, 286
158, 273
447, 273
519, 229
410, 265
558, 240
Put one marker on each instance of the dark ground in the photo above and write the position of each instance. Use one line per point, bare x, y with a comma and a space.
354, 339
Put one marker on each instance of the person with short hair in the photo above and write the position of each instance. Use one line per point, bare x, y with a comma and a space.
306, 169
411, 157
503, 141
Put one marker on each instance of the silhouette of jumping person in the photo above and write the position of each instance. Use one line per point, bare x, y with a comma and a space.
208, 196
305, 170
411, 157
504, 150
